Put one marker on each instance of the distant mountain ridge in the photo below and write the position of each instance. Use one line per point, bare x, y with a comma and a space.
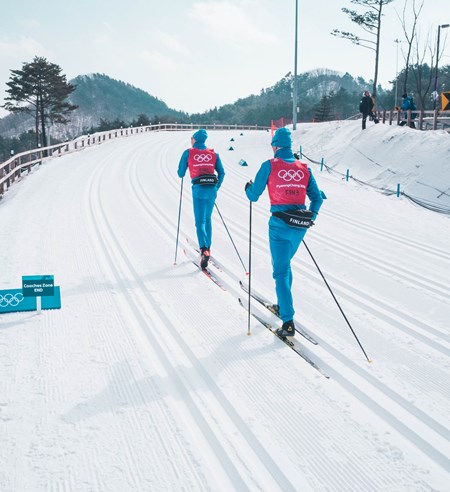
101, 98
98, 97
343, 90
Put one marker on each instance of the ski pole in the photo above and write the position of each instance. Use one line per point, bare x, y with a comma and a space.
342, 312
178, 225
249, 268
231, 239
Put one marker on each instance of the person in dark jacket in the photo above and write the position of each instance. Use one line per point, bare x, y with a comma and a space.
207, 173
366, 108
288, 182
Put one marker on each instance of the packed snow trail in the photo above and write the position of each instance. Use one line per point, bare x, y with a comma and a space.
146, 379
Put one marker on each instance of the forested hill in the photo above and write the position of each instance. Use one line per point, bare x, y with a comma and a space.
322, 95
99, 98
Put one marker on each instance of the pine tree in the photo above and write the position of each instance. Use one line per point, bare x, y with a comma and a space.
324, 111
40, 89
370, 22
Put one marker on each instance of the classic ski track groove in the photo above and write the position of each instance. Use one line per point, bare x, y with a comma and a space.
227, 460
423, 422
100, 232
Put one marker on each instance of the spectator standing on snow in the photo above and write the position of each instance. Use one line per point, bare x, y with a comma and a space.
408, 104
288, 182
366, 108
207, 173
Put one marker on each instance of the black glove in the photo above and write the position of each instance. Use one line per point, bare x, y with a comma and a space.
248, 184
297, 155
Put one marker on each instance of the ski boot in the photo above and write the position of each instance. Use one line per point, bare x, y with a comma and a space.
287, 330
204, 258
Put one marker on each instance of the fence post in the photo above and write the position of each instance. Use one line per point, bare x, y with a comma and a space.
347, 175
7, 182
421, 119
435, 119
398, 190
321, 164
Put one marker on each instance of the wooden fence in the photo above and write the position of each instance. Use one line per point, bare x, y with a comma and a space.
11, 170
423, 120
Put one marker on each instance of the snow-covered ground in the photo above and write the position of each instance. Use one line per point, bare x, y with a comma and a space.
146, 380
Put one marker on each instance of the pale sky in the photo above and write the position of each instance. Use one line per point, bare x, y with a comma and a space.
198, 54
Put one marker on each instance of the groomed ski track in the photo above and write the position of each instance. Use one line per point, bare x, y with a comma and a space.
148, 371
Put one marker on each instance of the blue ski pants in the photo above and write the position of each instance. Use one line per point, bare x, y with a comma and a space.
203, 209
284, 243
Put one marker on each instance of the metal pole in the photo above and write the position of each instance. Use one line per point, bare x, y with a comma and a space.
436, 73
336, 301
249, 270
435, 98
231, 239
178, 225
294, 94
397, 41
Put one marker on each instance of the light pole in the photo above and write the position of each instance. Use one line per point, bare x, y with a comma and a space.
397, 41
436, 95
294, 92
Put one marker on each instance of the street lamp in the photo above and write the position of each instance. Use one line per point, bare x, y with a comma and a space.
443, 26
397, 41
294, 95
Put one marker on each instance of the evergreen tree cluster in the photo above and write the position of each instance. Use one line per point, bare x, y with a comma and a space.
15, 145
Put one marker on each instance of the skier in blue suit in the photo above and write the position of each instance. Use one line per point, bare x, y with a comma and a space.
207, 173
289, 182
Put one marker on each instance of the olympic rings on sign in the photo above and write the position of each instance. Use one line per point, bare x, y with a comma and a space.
10, 299
203, 158
291, 175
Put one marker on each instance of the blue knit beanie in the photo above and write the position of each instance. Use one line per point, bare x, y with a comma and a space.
282, 138
200, 136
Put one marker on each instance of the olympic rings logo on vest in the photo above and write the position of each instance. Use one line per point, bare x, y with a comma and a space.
291, 175
10, 299
202, 157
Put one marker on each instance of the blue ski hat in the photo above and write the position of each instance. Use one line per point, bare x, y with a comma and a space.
282, 138
200, 136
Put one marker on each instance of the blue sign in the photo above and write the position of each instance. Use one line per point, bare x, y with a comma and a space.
13, 300
41, 285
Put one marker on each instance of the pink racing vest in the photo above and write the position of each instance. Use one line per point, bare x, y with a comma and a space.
287, 182
201, 162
